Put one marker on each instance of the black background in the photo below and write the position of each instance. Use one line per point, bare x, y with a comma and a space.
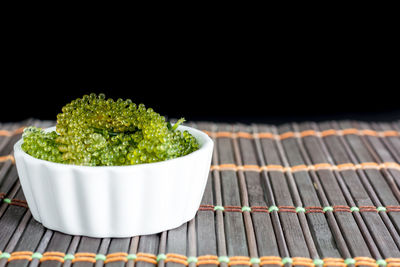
224, 96
246, 80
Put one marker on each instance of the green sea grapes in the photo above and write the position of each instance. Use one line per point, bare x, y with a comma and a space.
95, 131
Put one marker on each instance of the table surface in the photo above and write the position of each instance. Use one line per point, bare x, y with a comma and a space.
303, 194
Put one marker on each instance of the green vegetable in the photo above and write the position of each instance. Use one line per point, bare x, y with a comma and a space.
95, 131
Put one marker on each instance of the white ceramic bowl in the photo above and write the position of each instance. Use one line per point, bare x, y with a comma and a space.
115, 201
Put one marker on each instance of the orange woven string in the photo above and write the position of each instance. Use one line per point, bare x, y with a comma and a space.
392, 208
117, 254
328, 132
312, 209
20, 203
239, 260
4, 133
365, 261
230, 167
251, 167
287, 209
367, 209
205, 259
323, 166
259, 209
299, 168
302, 261
202, 262
18, 253
21, 257
239, 263
224, 134
84, 256
328, 259
308, 133
334, 263
338, 208
214, 167
271, 260
11, 133
54, 253
369, 132
234, 258
148, 255
146, 259
369, 165
86, 259
19, 130
244, 135
286, 135
207, 132
8, 157
390, 133
274, 168
267, 258
114, 259
346, 166
206, 207
350, 131
391, 165
178, 256
52, 258
176, 261
393, 262
233, 208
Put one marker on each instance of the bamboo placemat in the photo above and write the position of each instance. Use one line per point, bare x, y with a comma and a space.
306, 194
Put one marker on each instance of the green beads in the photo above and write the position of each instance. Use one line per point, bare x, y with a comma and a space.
223, 259
5, 255
318, 262
95, 131
328, 208
300, 209
286, 260
246, 208
37, 255
131, 257
161, 257
349, 261
273, 208
69, 257
379, 209
100, 257
219, 208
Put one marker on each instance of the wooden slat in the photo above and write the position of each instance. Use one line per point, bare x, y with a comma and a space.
29, 241
318, 224
355, 186
58, 242
148, 244
233, 221
205, 220
262, 225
